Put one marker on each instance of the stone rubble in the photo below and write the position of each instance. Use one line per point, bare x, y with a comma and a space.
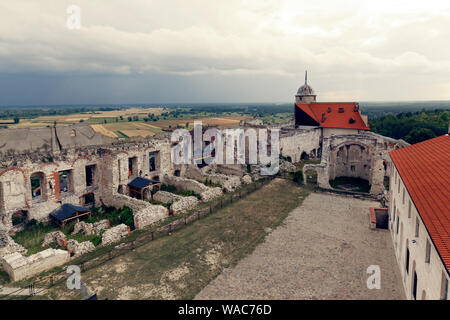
91, 228
8, 245
55, 237
78, 249
115, 234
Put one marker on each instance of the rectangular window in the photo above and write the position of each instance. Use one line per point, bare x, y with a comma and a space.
417, 227
65, 181
398, 189
397, 225
409, 209
154, 161
444, 287
90, 175
407, 260
403, 196
428, 252
132, 166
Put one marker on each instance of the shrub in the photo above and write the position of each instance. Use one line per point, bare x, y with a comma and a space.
96, 240
298, 176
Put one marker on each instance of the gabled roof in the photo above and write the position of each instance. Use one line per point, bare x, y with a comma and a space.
66, 211
140, 183
424, 169
344, 115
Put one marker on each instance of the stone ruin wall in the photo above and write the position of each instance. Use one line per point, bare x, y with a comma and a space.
364, 155
111, 171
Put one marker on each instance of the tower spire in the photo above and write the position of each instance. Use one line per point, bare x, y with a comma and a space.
306, 77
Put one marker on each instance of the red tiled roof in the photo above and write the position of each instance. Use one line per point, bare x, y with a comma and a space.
425, 170
334, 118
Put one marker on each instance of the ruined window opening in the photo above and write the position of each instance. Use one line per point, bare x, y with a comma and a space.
73, 133
156, 178
304, 156
65, 181
89, 199
176, 173
352, 168
37, 185
427, 252
153, 160
19, 217
132, 166
90, 175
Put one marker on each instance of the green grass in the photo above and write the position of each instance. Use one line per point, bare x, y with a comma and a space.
229, 234
361, 184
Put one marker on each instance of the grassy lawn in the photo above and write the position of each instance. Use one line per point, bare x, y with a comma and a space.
180, 265
360, 185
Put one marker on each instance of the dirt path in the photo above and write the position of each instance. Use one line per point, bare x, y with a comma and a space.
321, 251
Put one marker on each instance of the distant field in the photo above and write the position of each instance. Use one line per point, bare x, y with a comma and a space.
225, 121
95, 117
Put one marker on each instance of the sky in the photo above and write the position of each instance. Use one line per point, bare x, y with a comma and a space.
175, 51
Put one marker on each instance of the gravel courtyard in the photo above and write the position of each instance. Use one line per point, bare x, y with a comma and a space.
321, 251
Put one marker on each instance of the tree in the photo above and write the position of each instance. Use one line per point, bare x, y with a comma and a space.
419, 134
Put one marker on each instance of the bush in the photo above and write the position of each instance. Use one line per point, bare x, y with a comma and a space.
17, 220
96, 240
298, 176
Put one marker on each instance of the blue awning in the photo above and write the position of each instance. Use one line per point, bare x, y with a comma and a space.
140, 183
66, 211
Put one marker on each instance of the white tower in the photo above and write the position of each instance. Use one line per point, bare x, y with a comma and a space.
305, 93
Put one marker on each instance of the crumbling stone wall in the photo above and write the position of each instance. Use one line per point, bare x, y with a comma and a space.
8, 245
361, 155
144, 212
91, 228
115, 234
55, 237
179, 204
295, 142
181, 183
77, 249
19, 267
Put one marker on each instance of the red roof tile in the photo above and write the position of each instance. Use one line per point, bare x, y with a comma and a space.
425, 170
334, 118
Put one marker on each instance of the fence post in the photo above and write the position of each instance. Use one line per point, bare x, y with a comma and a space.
51, 281
31, 289
185, 221
210, 209
152, 236
170, 228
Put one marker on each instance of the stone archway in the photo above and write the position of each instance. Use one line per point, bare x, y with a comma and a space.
350, 163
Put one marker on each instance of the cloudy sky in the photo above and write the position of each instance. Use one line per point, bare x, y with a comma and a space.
163, 51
